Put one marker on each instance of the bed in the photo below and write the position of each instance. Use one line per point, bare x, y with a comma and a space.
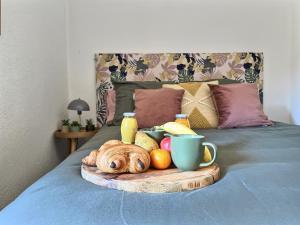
260, 179
260, 184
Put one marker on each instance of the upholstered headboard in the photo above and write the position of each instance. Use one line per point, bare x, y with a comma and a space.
181, 67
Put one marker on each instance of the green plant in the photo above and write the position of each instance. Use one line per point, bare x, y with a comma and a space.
89, 125
65, 122
89, 122
75, 124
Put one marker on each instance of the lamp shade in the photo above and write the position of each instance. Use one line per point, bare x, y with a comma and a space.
79, 105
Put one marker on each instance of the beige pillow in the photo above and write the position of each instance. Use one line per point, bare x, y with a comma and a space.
197, 103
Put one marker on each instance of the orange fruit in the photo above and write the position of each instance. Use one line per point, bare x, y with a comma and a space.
160, 159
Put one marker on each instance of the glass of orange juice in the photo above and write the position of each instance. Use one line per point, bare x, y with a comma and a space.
129, 127
183, 119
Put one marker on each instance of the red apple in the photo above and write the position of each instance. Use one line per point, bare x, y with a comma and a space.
166, 144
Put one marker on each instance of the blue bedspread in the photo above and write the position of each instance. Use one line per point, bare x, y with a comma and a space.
260, 185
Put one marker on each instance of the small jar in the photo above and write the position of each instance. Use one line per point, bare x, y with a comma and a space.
183, 119
129, 128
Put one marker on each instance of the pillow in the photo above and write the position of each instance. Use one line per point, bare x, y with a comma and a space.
111, 105
197, 104
156, 107
228, 81
222, 81
124, 96
238, 105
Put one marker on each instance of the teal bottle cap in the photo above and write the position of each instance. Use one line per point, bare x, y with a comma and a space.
129, 114
181, 116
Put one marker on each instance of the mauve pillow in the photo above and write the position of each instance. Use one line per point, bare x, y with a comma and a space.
111, 105
238, 105
157, 106
124, 96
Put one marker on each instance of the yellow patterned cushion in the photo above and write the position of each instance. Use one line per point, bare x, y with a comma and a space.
198, 104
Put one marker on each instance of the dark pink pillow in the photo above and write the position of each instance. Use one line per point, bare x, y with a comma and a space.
157, 106
238, 105
111, 105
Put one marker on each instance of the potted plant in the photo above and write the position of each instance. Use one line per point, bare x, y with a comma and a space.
89, 125
75, 126
65, 125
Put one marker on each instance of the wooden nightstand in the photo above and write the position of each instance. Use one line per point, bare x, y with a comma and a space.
74, 136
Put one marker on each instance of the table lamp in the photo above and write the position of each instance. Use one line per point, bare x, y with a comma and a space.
79, 105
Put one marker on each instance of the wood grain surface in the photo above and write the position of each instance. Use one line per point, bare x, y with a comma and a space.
154, 181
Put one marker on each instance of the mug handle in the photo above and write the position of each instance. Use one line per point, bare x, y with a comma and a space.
214, 148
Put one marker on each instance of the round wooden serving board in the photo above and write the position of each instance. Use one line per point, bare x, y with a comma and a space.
154, 181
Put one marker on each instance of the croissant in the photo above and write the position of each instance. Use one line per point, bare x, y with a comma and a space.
115, 157
90, 160
123, 158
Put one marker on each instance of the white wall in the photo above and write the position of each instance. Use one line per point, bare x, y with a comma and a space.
295, 78
182, 26
33, 91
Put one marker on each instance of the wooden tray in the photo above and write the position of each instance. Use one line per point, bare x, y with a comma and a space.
154, 181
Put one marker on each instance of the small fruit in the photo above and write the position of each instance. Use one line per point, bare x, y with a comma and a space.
160, 159
207, 156
177, 128
166, 144
144, 141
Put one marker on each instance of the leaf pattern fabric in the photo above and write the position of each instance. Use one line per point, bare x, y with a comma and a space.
178, 67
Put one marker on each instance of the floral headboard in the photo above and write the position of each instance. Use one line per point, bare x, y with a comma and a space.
180, 67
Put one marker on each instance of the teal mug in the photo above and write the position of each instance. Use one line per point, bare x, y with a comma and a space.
187, 151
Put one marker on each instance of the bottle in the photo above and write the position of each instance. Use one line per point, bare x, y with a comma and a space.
183, 119
129, 128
